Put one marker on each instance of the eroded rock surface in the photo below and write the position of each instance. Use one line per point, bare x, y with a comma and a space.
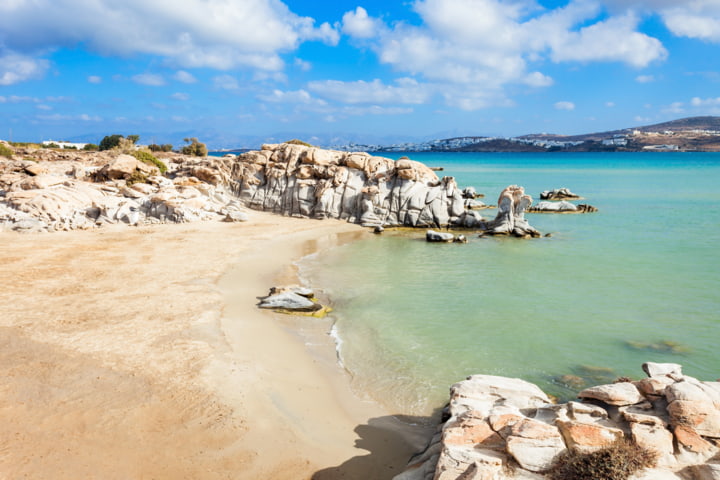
45, 190
507, 429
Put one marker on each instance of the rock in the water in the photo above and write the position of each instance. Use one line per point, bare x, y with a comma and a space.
433, 236
510, 219
290, 301
559, 194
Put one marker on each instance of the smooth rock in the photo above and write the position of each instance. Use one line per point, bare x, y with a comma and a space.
433, 236
619, 394
657, 369
289, 301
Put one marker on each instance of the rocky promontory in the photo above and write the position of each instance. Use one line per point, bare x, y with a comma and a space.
46, 190
663, 427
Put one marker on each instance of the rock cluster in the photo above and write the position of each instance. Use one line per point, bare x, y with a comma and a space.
60, 191
559, 194
508, 429
294, 300
48, 190
562, 206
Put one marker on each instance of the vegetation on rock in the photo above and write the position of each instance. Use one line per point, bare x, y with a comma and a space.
148, 158
110, 141
166, 147
196, 148
616, 462
295, 141
5, 151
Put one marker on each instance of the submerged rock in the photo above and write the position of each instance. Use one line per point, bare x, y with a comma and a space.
433, 236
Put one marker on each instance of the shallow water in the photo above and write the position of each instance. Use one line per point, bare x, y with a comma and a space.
638, 281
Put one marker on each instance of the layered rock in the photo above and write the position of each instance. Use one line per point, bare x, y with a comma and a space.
559, 194
561, 207
507, 429
63, 191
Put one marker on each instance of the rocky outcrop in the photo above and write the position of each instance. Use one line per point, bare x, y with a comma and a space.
561, 207
559, 194
62, 191
294, 300
507, 429
510, 218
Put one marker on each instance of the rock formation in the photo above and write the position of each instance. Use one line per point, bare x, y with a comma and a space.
49, 190
562, 206
559, 194
508, 429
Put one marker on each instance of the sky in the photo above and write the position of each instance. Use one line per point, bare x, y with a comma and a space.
236, 73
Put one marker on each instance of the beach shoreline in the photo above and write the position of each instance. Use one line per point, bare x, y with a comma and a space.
140, 353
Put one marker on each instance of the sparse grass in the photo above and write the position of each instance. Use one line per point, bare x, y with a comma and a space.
6, 151
136, 177
616, 462
295, 141
150, 159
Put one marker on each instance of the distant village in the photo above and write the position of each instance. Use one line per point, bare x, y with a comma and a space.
628, 140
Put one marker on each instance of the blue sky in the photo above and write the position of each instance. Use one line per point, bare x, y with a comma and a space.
240, 72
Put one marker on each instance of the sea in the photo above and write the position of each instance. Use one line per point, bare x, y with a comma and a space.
637, 281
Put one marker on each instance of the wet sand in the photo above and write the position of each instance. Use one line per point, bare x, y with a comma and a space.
133, 353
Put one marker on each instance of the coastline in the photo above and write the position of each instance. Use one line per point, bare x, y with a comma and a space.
140, 353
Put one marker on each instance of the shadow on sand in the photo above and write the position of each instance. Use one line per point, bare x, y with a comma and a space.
390, 441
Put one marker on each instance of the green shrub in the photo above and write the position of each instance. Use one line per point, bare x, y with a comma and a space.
147, 157
295, 141
50, 145
6, 151
136, 177
616, 462
91, 147
160, 148
195, 148
110, 141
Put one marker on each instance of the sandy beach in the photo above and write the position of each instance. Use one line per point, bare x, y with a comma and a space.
139, 353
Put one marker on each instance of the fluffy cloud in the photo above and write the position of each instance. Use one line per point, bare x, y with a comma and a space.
16, 68
94, 79
700, 20
569, 106
358, 24
405, 91
471, 50
192, 33
226, 82
184, 77
149, 79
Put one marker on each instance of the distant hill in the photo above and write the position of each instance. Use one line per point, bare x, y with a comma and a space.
685, 134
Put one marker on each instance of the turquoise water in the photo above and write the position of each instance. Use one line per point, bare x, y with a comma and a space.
597, 299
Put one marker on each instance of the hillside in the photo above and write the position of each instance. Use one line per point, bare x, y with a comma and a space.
698, 134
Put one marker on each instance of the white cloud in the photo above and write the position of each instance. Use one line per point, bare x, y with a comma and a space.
645, 78
537, 79
405, 91
180, 96
226, 82
149, 79
677, 108
610, 104
613, 40
94, 79
705, 102
698, 19
184, 77
569, 106
358, 24
193, 33
303, 65
471, 50
16, 68
297, 96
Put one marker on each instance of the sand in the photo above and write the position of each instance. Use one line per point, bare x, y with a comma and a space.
139, 353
